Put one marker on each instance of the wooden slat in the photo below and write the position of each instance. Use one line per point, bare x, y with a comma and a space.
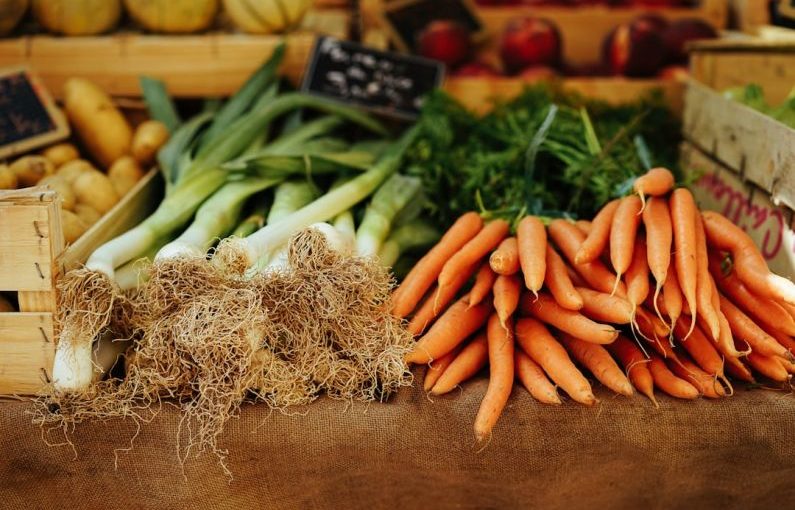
26, 352
25, 252
774, 70
213, 64
752, 144
718, 188
477, 93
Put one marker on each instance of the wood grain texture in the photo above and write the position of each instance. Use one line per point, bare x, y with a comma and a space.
754, 145
27, 349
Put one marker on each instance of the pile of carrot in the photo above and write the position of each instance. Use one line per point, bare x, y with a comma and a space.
650, 294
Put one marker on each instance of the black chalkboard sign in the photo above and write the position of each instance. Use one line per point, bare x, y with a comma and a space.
28, 117
387, 83
405, 19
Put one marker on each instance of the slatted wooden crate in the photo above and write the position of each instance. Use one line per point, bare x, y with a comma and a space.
32, 256
205, 65
582, 27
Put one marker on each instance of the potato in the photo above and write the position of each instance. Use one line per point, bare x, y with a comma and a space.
100, 125
72, 170
88, 214
5, 305
172, 16
73, 227
124, 173
96, 190
31, 169
61, 153
77, 17
64, 190
147, 140
8, 179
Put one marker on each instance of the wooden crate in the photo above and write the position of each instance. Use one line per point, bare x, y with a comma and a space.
477, 93
725, 63
749, 15
582, 28
205, 65
758, 148
32, 255
720, 188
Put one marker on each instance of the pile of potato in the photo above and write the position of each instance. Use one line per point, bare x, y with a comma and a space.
115, 157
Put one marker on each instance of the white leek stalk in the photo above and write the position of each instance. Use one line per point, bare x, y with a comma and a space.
328, 206
387, 202
288, 198
415, 234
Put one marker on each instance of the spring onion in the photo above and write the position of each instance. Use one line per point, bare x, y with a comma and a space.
387, 202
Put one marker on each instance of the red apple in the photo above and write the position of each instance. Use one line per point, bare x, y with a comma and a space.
634, 49
476, 69
538, 73
444, 40
682, 31
675, 72
530, 42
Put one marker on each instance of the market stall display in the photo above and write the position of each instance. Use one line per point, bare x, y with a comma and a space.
516, 275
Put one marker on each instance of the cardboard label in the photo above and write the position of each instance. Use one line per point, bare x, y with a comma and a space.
387, 83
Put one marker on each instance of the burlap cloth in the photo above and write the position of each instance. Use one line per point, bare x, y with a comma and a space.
411, 453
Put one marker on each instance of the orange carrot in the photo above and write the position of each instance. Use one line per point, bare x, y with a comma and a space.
484, 281
437, 368
584, 226
783, 339
744, 328
623, 231
477, 248
596, 241
672, 297
545, 308
532, 238
538, 343
596, 359
659, 235
574, 276
569, 239
700, 349
683, 217
705, 383
670, 383
749, 263
534, 379
452, 328
472, 358
559, 283
725, 343
655, 182
768, 366
425, 272
704, 283
506, 296
501, 347
763, 309
437, 302
604, 307
505, 259
660, 328
737, 369
637, 276
634, 363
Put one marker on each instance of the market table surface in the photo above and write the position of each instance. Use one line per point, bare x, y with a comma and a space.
738, 452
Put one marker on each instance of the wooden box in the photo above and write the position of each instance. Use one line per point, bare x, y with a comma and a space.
32, 256
204, 65
582, 28
725, 63
477, 93
758, 148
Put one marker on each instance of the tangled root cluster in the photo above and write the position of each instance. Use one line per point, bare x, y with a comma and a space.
208, 339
